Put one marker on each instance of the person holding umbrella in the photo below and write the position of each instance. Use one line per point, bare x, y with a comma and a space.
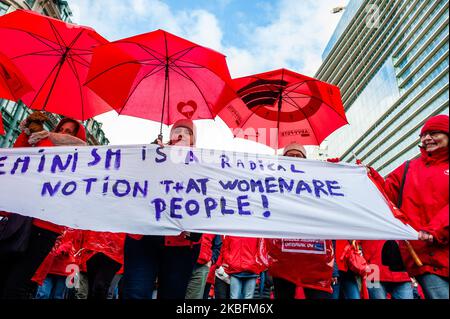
421, 185
169, 259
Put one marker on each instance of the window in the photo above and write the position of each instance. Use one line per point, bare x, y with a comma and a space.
3, 8
30, 3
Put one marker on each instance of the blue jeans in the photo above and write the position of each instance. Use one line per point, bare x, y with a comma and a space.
434, 286
54, 287
346, 287
148, 259
242, 288
398, 290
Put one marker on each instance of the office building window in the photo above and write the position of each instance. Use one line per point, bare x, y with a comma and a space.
3, 8
30, 3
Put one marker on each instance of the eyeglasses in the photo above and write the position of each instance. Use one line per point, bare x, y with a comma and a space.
295, 154
432, 134
182, 130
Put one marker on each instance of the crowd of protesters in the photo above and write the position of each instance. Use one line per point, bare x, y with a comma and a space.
63, 263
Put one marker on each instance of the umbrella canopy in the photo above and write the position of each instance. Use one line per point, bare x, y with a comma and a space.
55, 57
159, 76
279, 107
13, 84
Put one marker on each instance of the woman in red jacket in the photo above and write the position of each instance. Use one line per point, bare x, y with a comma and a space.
425, 203
241, 262
16, 272
295, 262
171, 259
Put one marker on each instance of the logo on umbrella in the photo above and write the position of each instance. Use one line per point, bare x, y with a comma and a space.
262, 97
187, 108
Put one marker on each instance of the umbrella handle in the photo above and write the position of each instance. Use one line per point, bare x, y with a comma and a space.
413, 254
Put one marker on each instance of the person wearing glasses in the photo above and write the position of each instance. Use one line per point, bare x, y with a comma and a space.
425, 204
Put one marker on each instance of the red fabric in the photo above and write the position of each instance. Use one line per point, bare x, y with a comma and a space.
205, 249
63, 253
310, 109
51, 49
2, 129
110, 244
340, 248
299, 293
80, 131
212, 271
436, 123
425, 202
170, 240
372, 253
303, 269
241, 254
13, 84
130, 74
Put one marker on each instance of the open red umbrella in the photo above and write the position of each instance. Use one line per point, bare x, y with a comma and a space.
13, 84
281, 106
55, 57
159, 76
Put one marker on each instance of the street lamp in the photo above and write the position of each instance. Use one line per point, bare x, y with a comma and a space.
337, 9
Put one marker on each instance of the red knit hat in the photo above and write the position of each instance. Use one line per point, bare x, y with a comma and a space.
436, 123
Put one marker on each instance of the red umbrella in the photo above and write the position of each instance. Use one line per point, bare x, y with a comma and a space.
281, 106
159, 76
55, 57
13, 83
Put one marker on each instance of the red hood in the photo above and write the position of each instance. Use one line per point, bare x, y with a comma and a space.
81, 131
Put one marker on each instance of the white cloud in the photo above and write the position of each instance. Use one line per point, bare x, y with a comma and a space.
294, 38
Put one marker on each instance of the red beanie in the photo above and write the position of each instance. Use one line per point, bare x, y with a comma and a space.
436, 123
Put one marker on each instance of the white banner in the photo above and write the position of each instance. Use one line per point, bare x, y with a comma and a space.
146, 189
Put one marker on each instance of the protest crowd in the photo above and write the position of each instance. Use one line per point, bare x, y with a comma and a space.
64, 263
42, 260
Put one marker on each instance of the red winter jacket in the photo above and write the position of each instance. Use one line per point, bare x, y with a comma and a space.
425, 203
205, 249
309, 266
242, 254
372, 253
110, 244
63, 253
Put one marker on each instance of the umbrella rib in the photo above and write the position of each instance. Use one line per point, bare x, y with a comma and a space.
76, 39
149, 51
109, 69
37, 37
80, 61
43, 83
314, 97
297, 85
137, 85
187, 50
195, 84
75, 71
306, 118
248, 118
57, 35
38, 53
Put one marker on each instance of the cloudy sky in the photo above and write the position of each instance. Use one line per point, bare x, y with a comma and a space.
255, 35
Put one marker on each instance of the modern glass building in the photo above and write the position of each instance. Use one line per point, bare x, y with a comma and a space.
390, 60
13, 113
